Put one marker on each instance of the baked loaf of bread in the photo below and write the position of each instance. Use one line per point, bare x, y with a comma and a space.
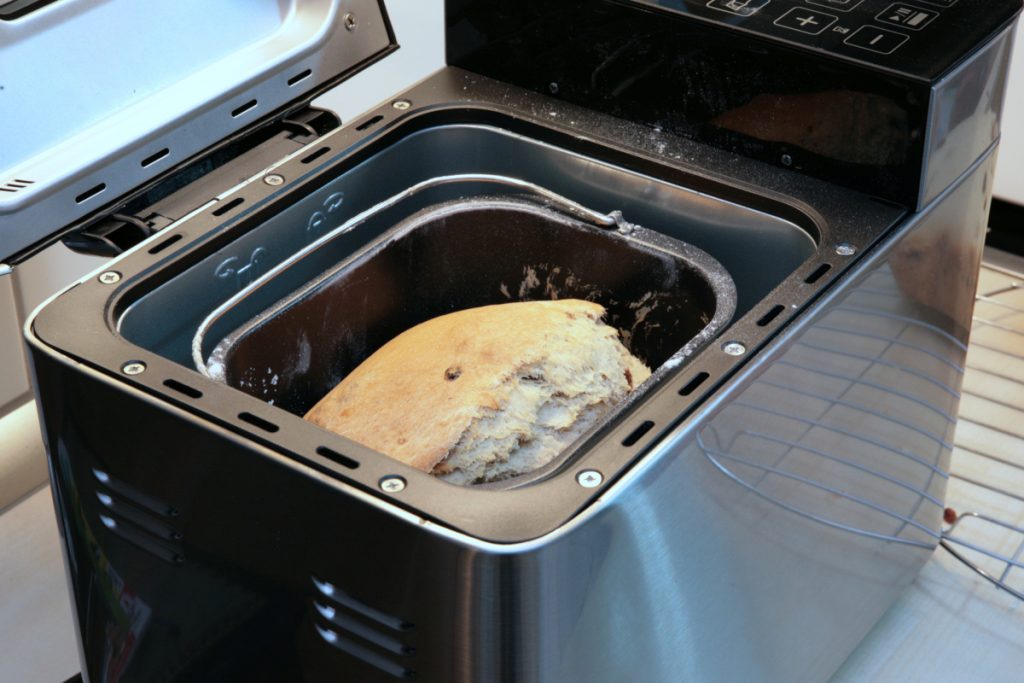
486, 393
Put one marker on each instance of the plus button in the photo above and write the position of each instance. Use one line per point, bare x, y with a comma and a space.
806, 20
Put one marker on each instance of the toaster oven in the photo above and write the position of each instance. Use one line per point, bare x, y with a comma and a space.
750, 514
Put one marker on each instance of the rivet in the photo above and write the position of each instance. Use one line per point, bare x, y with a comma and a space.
589, 479
135, 367
846, 249
734, 348
274, 179
786, 160
401, 105
392, 484
110, 277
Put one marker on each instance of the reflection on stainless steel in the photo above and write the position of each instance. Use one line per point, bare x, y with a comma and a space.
790, 468
991, 542
855, 127
852, 426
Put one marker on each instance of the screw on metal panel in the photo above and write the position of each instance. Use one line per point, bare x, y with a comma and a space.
350, 21
392, 484
274, 179
589, 479
787, 160
109, 277
135, 367
734, 348
846, 249
401, 105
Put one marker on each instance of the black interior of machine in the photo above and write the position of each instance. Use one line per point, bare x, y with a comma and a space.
659, 293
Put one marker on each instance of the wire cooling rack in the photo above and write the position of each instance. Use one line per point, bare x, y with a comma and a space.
847, 430
988, 535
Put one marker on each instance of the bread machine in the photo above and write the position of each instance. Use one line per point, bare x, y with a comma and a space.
749, 515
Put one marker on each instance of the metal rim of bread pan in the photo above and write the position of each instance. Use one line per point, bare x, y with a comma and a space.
596, 217
691, 265
81, 326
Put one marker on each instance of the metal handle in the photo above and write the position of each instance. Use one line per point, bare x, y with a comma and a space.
610, 220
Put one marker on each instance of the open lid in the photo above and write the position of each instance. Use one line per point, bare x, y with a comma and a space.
98, 96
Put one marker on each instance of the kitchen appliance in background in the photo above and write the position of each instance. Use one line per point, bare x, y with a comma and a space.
774, 492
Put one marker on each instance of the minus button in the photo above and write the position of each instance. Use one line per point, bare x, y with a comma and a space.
876, 39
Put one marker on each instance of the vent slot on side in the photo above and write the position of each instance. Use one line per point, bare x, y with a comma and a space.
155, 157
299, 77
15, 185
330, 594
370, 122
138, 518
350, 647
90, 193
135, 496
241, 109
14, 9
362, 631
818, 273
227, 207
337, 457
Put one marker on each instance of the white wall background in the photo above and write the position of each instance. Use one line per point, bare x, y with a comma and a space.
1010, 171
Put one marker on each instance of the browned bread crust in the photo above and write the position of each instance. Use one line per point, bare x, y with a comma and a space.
419, 395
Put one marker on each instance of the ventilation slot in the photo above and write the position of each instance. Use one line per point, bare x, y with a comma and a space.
637, 433
330, 594
166, 243
139, 519
89, 194
818, 273
299, 77
371, 122
257, 421
771, 315
337, 457
182, 388
316, 155
360, 629
227, 207
136, 497
354, 628
692, 385
16, 184
251, 104
367, 655
155, 157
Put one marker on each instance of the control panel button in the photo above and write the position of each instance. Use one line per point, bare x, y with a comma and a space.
841, 5
743, 8
806, 20
906, 16
876, 39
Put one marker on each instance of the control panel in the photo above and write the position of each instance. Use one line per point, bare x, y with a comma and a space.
895, 98
920, 38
